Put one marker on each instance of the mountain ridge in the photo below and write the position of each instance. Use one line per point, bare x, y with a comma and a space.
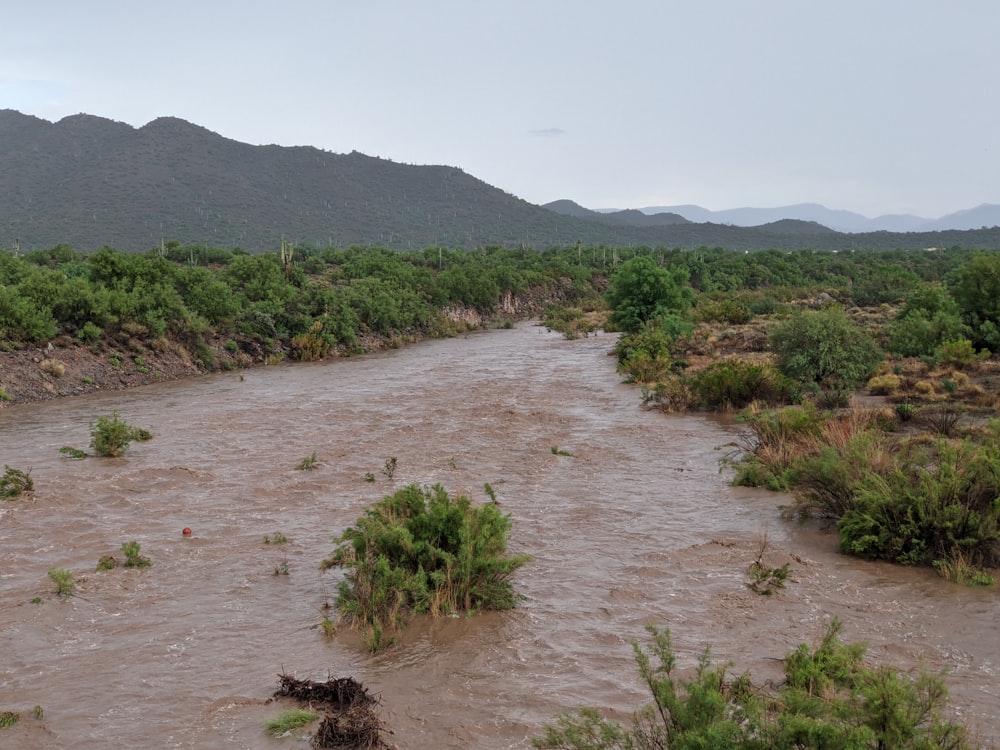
983, 215
89, 182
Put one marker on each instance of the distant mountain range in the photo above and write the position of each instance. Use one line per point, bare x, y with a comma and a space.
88, 182
984, 215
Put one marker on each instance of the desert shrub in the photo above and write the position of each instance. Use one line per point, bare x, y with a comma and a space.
422, 550
569, 321
830, 699
826, 475
312, 345
762, 578
22, 320
824, 348
64, 580
942, 420
256, 323
671, 394
728, 309
884, 385
929, 316
132, 557
957, 353
15, 482
977, 292
111, 436
734, 384
644, 356
937, 502
764, 305
308, 463
89, 333
53, 367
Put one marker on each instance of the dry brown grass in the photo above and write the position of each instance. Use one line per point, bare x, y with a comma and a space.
53, 367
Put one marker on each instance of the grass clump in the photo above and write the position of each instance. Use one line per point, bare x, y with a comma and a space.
9, 718
64, 580
288, 721
15, 482
111, 436
307, 463
830, 699
70, 452
132, 557
53, 367
418, 551
276, 538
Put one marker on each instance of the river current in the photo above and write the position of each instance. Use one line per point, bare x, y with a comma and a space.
636, 525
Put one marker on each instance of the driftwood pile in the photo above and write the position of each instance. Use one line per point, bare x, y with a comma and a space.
349, 718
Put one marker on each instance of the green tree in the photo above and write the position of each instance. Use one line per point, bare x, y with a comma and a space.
826, 348
643, 291
929, 317
977, 292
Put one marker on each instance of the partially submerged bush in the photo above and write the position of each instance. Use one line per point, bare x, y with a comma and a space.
830, 699
571, 322
111, 436
132, 557
913, 502
15, 482
422, 550
64, 580
938, 502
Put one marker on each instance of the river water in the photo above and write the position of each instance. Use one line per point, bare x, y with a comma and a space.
637, 525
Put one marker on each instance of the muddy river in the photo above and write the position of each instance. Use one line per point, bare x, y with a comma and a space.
637, 525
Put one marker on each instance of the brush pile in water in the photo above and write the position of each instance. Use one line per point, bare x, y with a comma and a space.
349, 719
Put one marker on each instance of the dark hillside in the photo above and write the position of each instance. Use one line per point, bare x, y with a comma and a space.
89, 182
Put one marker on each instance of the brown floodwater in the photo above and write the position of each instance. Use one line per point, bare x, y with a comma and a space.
638, 525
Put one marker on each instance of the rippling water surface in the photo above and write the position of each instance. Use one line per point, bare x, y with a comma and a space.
638, 525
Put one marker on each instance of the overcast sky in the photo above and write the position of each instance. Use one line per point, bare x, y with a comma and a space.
875, 106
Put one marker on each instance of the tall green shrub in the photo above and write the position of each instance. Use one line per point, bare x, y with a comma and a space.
111, 436
830, 700
826, 348
422, 550
642, 291
937, 503
977, 292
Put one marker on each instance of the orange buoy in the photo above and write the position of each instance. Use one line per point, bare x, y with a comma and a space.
187, 531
